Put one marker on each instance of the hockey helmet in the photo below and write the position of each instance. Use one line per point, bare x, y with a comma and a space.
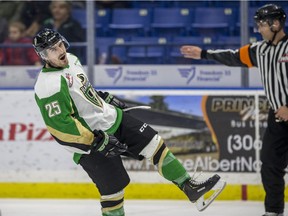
46, 39
270, 12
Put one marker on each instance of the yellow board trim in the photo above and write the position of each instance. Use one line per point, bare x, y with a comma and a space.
133, 191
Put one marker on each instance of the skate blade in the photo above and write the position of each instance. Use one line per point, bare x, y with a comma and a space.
202, 204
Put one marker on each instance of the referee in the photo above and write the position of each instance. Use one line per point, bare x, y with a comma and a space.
271, 57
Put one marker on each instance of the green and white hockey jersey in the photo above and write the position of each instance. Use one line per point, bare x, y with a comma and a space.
71, 107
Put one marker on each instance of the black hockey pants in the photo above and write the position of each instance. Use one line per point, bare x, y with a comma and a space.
274, 161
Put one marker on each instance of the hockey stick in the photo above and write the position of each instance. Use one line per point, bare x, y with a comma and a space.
136, 107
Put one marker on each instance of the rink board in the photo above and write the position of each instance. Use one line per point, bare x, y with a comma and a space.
32, 167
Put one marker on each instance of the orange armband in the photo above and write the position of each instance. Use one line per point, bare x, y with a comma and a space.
244, 56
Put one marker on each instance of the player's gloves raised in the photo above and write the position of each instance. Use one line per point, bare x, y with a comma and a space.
107, 145
108, 98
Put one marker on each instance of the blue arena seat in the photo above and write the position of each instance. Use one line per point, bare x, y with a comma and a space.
213, 21
102, 18
102, 21
171, 21
147, 50
111, 49
130, 22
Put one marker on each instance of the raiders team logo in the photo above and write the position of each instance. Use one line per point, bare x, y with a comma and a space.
88, 91
70, 79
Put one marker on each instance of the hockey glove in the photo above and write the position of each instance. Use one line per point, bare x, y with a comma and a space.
107, 145
108, 98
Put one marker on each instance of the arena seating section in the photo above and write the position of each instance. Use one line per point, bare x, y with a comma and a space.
151, 32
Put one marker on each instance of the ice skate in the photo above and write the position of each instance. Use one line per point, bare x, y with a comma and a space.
195, 190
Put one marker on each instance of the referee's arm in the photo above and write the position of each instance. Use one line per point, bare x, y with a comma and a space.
243, 57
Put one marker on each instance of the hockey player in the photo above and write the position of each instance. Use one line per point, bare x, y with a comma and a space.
270, 56
93, 125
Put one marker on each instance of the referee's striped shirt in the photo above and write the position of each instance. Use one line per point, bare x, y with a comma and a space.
272, 63
271, 60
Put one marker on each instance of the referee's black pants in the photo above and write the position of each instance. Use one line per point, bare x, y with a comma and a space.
274, 161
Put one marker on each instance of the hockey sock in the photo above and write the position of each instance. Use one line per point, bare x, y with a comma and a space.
169, 166
115, 212
112, 205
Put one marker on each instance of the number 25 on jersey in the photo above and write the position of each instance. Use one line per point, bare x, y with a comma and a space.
53, 108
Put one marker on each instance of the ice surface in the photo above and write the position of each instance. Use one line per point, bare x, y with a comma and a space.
83, 207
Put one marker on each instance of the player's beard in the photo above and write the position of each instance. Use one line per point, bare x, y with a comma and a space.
60, 62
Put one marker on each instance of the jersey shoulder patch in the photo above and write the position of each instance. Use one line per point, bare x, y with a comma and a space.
48, 84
